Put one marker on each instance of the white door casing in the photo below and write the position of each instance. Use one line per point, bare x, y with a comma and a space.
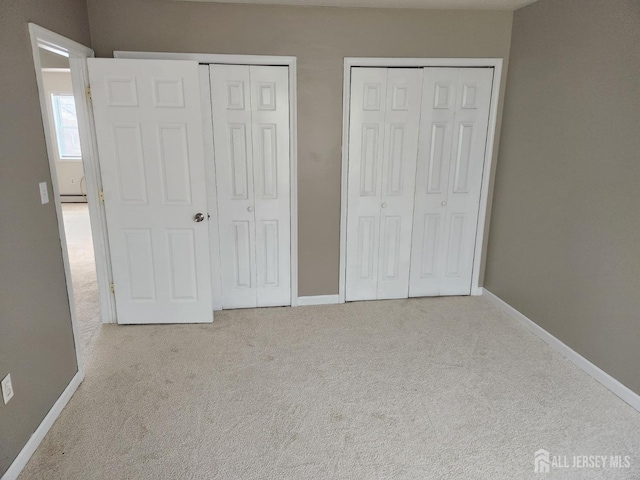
453, 133
149, 130
250, 106
384, 120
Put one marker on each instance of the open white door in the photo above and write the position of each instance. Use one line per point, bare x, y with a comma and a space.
149, 130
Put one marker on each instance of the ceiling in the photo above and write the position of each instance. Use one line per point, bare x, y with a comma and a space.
434, 4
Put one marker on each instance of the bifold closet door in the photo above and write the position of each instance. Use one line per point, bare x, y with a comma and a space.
250, 106
453, 133
149, 131
383, 142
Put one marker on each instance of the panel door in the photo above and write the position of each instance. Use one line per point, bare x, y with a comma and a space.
383, 139
453, 133
149, 132
250, 106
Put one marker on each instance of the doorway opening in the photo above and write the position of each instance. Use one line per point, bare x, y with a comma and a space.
61, 74
62, 122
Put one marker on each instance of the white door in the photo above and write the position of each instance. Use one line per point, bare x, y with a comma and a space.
453, 133
149, 130
250, 106
383, 143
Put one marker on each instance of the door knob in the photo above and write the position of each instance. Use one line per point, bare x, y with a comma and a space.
384, 205
199, 217
249, 209
443, 203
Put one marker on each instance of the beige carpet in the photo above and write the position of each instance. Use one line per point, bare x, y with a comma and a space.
77, 229
443, 388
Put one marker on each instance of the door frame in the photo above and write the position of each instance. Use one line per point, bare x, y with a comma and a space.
77, 54
286, 61
483, 212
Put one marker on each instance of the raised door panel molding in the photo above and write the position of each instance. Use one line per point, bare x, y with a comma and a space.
174, 157
121, 92
238, 159
141, 275
183, 268
369, 163
129, 163
168, 92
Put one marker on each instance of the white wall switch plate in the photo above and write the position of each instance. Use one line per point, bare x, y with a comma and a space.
7, 389
44, 193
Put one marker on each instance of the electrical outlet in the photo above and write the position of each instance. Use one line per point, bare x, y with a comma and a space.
7, 389
44, 193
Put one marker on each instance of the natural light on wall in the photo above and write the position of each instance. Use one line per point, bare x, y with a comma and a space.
66, 124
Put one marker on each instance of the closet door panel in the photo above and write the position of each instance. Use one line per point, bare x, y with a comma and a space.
366, 154
402, 118
432, 180
234, 171
465, 177
449, 177
271, 160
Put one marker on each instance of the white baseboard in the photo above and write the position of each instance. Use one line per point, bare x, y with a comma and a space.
32, 444
599, 375
319, 300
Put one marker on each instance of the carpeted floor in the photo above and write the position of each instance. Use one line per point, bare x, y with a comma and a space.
77, 229
435, 388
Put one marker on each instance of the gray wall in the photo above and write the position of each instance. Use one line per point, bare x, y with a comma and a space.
36, 342
320, 38
52, 60
564, 245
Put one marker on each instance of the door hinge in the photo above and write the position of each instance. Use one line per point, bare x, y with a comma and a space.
89, 92
112, 287
101, 194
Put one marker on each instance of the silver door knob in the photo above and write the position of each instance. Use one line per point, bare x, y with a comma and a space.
199, 217
249, 209
384, 205
443, 203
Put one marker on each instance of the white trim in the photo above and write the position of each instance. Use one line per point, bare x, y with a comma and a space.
319, 300
288, 61
578, 360
496, 64
77, 54
210, 58
32, 444
55, 70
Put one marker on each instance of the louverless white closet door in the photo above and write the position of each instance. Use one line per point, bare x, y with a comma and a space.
453, 132
271, 183
383, 141
149, 132
250, 106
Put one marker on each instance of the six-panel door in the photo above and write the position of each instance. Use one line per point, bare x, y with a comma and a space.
453, 134
149, 132
400, 244
250, 106
384, 118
